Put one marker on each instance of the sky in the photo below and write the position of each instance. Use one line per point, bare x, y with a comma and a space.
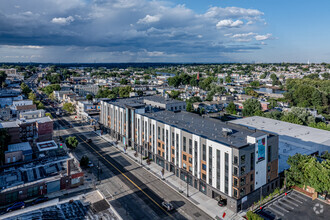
181, 31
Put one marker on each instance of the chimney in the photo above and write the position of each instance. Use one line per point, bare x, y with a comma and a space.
68, 165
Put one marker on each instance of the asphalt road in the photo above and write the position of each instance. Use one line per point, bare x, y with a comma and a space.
131, 189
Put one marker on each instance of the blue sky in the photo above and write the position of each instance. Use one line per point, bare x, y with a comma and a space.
164, 31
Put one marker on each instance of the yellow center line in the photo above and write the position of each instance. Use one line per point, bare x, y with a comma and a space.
121, 172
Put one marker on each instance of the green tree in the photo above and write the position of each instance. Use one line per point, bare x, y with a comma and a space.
189, 107
84, 161
3, 77
4, 140
89, 97
263, 76
49, 115
174, 94
231, 108
124, 91
40, 105
251, 107
32, 97
123, 81
140, 92
255, 83
69, 107
25, 89
71, 142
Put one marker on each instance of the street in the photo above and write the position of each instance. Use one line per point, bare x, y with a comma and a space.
131, 189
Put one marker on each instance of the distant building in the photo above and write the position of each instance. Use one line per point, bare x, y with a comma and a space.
5, 114
32, 114
83, 90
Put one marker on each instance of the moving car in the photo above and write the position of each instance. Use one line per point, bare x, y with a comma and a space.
88, 140
17, 205
167, 205
39, 200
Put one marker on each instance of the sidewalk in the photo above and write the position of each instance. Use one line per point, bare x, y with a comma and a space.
199, 199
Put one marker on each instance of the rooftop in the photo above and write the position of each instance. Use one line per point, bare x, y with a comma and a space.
304, 133
47, 145
211, 129
24, 146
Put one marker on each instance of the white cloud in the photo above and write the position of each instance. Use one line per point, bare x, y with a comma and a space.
62, 20
149, 19
233, 12
228, 23
243, 35
263, 37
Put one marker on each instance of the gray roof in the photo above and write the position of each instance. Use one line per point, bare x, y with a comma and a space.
205, 127
161, 99
24, 146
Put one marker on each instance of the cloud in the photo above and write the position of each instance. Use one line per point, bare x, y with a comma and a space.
124, 31
148, 19
63, 21
228, 23
243, 35
263, 37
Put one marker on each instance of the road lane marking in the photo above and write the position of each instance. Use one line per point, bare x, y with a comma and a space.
295, 199
292, 203
120, 172
286, 205
275, 211
279, 207
299, 196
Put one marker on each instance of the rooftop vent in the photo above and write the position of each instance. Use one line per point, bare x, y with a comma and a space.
226, 131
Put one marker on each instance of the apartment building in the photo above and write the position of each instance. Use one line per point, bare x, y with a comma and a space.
222, 160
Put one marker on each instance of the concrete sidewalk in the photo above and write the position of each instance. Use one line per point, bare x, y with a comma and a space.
198, 198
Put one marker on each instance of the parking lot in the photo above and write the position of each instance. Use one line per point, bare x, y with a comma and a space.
295, 206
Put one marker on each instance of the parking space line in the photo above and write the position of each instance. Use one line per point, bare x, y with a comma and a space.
295, 199
292, 203
276, 205
287, 206
299, 196
275, 211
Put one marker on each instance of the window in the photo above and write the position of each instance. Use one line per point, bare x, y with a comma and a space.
159, 152
190, 146
163, 146
163, 134
203, 177
242, 159
172, 151
177, 141
190, 160
159, 144
242, 181
242, 192
268, 168
242, 170
190, 169
204, 152
235, 193
173, 139
251, 177
251, 187
235, 171
184, 157
269, 154
235, 182
252, 161
235, 159
184, 144
184, 165
159, 133
204, 167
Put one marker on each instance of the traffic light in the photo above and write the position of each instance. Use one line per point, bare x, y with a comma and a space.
61, 145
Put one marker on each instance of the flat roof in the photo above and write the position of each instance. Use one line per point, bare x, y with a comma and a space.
24, 146
205, 127
46, 145
304, 133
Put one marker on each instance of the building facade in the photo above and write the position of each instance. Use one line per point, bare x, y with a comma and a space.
222, 160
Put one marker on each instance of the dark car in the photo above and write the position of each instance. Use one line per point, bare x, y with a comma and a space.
222, 202
88, 140
39, 200
17, 205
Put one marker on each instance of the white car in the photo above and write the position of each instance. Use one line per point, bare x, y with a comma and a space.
167, 205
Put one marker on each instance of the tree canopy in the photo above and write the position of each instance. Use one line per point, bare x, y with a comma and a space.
71, 142
251, 107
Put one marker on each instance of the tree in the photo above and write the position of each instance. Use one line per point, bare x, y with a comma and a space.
140, 92
4, 140
49, 115
71, 142
84, 161
275, 80
89, 97
40, 105
69, 107
251, 107
32, 97
25, 89
124, 91
255, 83
174, 94
123, 81
3, 77
189, 107
231, 108
263, 76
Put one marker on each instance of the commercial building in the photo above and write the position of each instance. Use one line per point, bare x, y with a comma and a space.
83, 90
32, 114
17, 152
293, 138
220, 159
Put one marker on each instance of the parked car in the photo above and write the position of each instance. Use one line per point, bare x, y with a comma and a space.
17, 205
167, 205
39, 200
90, 164
222, 202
